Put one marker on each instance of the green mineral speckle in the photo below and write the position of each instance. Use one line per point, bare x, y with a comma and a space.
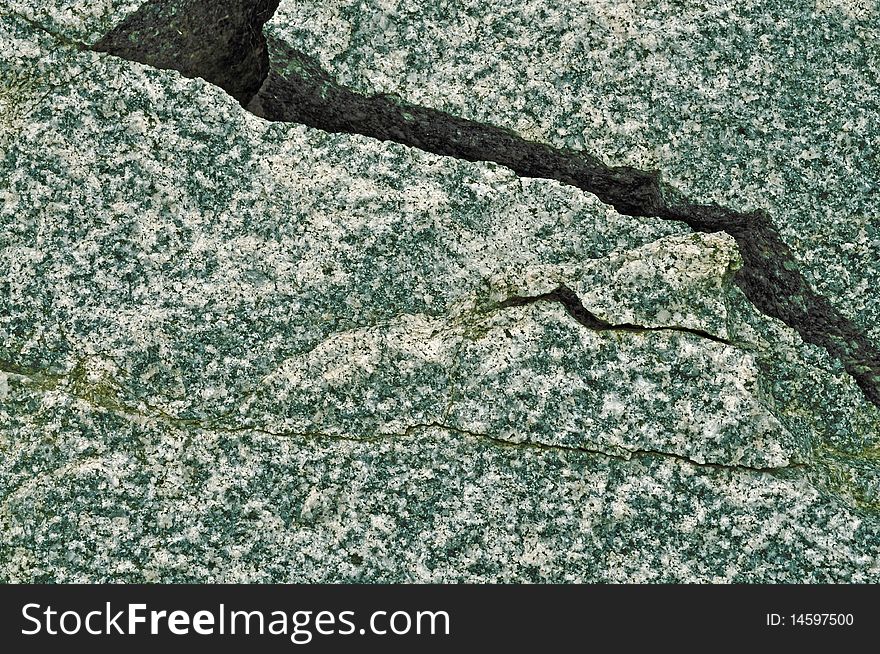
237, 351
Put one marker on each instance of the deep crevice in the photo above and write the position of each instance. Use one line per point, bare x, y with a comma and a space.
576, 309
222, 41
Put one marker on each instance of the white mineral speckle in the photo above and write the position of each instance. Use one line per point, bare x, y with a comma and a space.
237, 351
720, 97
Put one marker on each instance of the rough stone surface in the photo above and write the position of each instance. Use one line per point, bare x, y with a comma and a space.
750, 104
233, 350
84, 21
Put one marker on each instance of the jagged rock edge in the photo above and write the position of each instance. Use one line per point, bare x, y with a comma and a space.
576, 309
299, 91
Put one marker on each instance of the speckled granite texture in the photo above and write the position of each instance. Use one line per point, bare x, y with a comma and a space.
748, 103
237, 350
84, 21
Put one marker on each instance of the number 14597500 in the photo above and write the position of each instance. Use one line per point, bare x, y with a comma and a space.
810, 620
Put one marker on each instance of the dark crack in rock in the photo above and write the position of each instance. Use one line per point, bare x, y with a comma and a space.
219, 41
241, 350
172, 34
576, 309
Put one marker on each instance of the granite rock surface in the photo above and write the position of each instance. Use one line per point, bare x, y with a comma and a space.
752, 105
241, 350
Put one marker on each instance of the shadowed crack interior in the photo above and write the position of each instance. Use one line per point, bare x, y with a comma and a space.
576, 309
222, 42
